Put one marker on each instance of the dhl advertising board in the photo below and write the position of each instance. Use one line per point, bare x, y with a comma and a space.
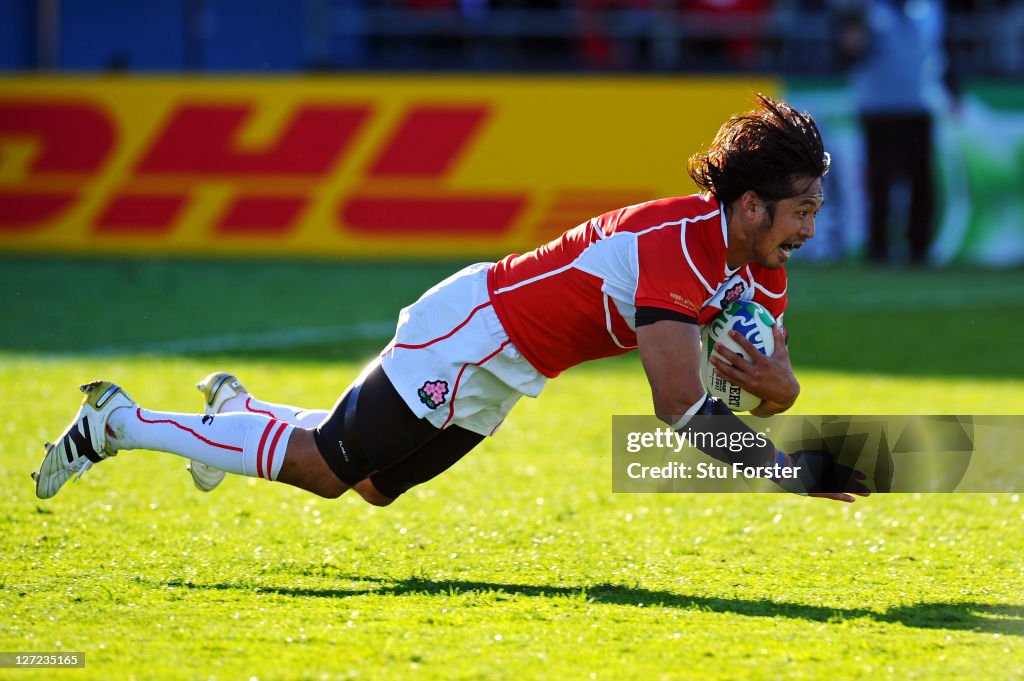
353, 166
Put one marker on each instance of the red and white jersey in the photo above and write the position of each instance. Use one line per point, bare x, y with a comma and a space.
575, 299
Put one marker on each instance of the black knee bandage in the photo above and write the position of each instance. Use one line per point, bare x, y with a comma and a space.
427, 462
370, 429
337, 443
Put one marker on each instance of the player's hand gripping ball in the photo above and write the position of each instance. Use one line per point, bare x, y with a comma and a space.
752, 321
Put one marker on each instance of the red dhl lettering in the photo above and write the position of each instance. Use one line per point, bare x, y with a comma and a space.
436, 214
428, 141
74, 140
403, 191
261, 215
74, 137
131, 213
22, 211
201, 140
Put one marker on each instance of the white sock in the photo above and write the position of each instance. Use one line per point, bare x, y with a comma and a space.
244, 402
247, 444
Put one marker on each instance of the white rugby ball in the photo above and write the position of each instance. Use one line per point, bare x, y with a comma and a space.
755, 323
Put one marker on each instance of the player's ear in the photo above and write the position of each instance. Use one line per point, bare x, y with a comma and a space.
750, 204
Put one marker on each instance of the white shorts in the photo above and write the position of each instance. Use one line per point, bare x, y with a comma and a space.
451, 360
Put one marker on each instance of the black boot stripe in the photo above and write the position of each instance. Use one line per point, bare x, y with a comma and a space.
69, 448
82, 440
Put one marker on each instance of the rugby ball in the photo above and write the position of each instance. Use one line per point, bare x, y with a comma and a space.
755, 323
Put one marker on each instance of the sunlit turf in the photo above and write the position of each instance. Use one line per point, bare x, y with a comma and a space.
519, 563
831, 392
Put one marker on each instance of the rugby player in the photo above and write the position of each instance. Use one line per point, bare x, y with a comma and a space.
642, 277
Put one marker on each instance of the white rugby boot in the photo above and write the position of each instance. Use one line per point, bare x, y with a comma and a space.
84, 442
217, 388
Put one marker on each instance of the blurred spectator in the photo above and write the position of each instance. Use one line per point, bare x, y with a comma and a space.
732, 51
896, 49
1011, 42
599, 21
543, 41
118, 62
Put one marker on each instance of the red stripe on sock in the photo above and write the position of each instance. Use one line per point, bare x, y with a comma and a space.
249, 407
259, 450
138, 414
273, 448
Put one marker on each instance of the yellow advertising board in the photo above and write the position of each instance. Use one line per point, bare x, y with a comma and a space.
340, 166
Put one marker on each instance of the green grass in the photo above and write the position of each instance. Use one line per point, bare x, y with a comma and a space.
519, 563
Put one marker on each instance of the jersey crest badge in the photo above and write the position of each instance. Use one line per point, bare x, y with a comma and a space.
732, 294
433, 393
731, 290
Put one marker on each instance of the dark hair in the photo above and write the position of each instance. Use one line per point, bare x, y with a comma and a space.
765, 150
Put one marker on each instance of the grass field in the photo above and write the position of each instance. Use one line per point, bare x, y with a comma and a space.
519, 563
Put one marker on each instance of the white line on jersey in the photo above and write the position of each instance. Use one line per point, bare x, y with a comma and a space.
616, 237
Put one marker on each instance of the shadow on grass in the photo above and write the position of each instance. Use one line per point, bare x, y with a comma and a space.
963, 616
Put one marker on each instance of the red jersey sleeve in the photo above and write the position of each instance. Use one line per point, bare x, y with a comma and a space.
676, 265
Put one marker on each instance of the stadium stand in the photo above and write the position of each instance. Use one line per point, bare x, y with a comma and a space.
759, 36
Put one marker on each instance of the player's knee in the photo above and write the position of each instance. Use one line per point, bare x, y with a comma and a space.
372, 495
332, 493
330, 489
376, 499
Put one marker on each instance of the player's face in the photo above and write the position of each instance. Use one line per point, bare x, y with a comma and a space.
791, 225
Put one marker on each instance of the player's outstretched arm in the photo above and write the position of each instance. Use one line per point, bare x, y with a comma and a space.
770, 378
670, 353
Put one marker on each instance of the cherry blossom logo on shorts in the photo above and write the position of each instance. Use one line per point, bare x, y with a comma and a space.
433, 393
